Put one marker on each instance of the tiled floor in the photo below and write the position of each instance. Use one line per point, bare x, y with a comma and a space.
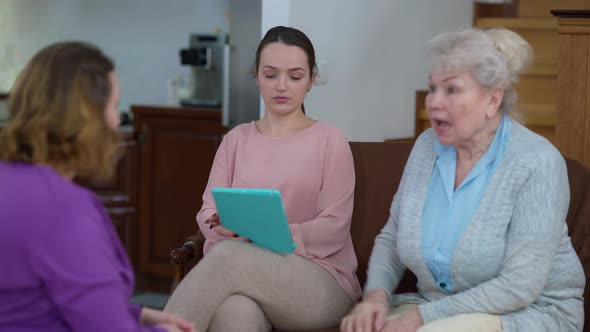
151, 300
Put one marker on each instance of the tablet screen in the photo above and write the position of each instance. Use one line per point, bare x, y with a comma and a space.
257, 214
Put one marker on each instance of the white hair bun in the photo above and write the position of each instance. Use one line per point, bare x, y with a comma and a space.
517, 51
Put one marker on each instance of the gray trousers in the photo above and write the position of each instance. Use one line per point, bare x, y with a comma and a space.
459, 323
239, 286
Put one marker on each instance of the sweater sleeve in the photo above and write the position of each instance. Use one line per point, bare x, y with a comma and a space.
327, 233
135, 310
84, 276
220, 176
385, 268
534, 234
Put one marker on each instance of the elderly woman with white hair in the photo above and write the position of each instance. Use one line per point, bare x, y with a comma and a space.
479, 216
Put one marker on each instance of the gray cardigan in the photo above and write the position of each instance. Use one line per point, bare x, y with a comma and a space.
515, 258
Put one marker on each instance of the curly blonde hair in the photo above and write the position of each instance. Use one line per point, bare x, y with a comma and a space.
57, 112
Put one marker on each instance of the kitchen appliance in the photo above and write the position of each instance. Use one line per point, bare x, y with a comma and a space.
208, 56
221, 66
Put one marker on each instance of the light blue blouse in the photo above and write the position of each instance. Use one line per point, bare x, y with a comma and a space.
448, 212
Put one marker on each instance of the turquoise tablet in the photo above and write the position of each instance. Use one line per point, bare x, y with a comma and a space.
256, 214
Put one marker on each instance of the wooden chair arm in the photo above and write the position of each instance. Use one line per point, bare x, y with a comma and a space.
184, 254
186, 257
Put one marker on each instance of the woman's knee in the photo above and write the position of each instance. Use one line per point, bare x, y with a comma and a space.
222, 256
239, 313
223, 249
230, 250
233, 256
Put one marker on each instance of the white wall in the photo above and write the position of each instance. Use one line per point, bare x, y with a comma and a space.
376, 59
246, 17
374, 49
274, 12
142, 36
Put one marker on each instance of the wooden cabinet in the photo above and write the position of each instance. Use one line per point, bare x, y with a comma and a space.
573, 84
176, 147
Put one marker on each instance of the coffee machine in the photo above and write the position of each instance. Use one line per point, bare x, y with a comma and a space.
208, 56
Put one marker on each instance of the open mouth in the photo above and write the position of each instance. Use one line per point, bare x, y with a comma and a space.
441, 124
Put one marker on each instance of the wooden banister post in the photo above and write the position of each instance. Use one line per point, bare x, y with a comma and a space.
573, 84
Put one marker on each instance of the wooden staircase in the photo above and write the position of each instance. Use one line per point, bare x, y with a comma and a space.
537, 88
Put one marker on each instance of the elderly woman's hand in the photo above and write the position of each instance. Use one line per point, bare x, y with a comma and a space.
368, 315
410, 322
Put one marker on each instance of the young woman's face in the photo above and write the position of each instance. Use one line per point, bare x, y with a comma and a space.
458, 106
284, 77
111, 113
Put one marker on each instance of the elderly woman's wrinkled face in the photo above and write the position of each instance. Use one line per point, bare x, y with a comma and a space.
458, 107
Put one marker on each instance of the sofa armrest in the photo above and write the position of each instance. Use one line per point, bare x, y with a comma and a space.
186, 257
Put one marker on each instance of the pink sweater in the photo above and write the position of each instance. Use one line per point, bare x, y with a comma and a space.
314, 171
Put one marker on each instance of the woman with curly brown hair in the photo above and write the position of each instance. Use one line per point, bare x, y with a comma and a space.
68, 269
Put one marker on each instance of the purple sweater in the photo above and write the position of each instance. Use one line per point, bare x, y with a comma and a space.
63, 265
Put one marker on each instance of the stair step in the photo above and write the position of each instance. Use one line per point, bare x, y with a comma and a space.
539, 23
539, 114
542, 8
540, 33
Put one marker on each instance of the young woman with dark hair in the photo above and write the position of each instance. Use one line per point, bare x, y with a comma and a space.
239, 286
